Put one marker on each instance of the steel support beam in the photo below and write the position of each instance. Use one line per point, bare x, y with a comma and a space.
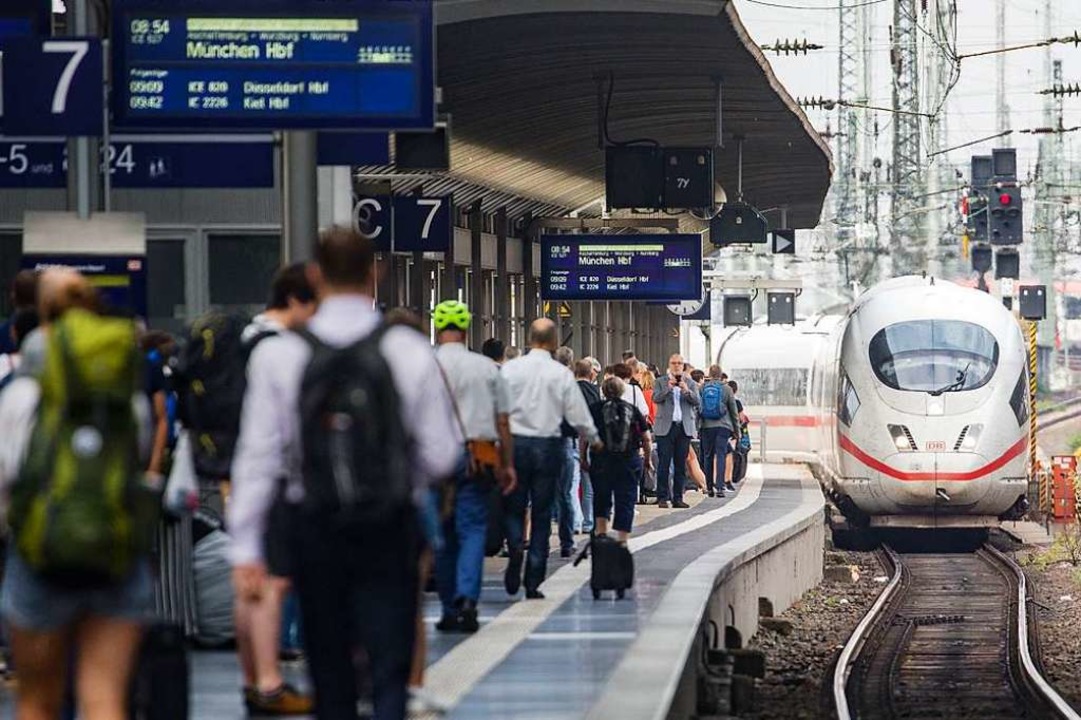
476, 286
300, 195
501, 312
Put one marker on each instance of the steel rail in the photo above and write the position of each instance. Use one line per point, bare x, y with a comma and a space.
859, 636
1032, 674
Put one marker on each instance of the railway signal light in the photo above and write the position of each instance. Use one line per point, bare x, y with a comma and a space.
781, 308
982, 258
1006, 215
737, 311
1033, 302
1007, 265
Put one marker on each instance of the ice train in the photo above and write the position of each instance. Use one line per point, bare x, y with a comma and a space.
913, 404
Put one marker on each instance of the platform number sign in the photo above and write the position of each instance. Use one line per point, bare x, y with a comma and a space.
52, 87
373, 220
423, 224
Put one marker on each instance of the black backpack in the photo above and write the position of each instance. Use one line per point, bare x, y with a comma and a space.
211, 380
356, 464
618, 433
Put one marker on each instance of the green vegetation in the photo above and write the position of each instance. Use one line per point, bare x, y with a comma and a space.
1075, 443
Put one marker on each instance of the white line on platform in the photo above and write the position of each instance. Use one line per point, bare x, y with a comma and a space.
456, 673
584, 636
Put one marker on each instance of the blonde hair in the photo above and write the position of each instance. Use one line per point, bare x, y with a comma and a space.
63, 289
648, 381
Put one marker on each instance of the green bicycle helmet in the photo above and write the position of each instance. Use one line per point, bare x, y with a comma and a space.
453, 315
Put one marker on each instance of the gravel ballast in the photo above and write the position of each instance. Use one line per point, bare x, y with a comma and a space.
799, 665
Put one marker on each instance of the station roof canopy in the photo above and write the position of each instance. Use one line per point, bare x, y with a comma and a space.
520, 80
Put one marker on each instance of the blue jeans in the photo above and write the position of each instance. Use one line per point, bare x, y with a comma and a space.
587, 501
459, 565
672, 451
714, 447
539, 463
568, 511
292, 630
616, 481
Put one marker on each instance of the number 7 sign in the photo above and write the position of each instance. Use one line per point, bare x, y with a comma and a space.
53, 87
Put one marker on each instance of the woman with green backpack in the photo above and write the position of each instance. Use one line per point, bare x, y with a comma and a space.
81, 515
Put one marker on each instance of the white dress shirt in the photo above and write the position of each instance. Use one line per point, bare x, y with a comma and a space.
479, 390
633, 395
542, 394
269, 445
677, 410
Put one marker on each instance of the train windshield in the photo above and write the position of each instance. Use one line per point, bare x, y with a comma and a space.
934, 356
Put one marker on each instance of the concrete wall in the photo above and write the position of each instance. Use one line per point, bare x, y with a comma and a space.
780, 570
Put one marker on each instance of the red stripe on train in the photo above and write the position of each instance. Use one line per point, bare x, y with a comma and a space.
854, 450
807, 421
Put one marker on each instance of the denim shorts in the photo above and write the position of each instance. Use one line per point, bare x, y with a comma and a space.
30, 603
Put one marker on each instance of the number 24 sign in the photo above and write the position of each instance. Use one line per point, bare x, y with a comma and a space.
52, 87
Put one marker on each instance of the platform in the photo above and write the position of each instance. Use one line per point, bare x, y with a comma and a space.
569, 656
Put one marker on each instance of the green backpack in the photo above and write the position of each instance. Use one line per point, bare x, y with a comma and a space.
81, 512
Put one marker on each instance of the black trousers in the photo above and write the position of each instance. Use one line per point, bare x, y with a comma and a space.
358, 591
672, 451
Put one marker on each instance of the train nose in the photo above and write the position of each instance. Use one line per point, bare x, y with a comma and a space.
926, 481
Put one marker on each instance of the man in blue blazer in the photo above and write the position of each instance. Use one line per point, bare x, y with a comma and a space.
676, 397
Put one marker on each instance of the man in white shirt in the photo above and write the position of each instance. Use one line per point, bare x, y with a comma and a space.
481, 404
347, 575
543, 393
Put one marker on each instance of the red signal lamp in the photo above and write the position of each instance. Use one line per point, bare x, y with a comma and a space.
1004, 199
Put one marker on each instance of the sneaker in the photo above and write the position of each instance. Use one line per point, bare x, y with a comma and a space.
566, 552
467, 617
534, 595
662, 504
286, 700
680, 505
449, 623
422, 703
512, 578
730, 487
712, 493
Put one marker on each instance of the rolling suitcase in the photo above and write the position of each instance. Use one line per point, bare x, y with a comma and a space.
739, 465
161, 683
612, 566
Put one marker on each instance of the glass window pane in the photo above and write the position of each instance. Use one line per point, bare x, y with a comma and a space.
934, 356
241, 270
167, 299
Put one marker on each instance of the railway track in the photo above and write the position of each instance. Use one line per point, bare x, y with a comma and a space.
949, 637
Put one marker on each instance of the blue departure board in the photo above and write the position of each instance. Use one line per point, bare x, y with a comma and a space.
664, 268
274, 64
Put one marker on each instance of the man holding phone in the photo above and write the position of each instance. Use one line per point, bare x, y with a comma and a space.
676, 398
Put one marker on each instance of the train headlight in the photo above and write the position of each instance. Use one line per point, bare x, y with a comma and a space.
970, 437
902, 438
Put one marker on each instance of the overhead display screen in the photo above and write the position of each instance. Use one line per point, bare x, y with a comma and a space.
274, 64
621, 267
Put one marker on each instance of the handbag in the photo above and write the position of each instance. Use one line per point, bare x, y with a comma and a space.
181, 495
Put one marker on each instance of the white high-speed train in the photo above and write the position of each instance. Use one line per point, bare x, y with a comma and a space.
913, 404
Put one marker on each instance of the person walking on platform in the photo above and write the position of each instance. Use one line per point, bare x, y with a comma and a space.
586, 374
358, 416
543, 393
481, 403
569, 513
494, 349
75, 586
676, 398
625, 433
720, 424
259, 620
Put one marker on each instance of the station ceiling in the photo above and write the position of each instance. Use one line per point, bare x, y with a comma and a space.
520, 81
